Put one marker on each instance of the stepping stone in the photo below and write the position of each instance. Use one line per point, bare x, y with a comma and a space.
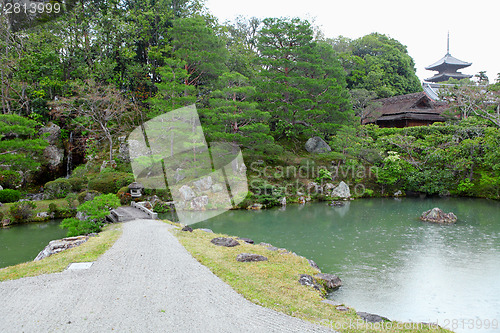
80, 265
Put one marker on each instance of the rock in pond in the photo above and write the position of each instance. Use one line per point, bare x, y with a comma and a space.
246, 240
436, 215
371, 318
59, 245
329, 281
222, 241
308, 280
249, 257
255, 206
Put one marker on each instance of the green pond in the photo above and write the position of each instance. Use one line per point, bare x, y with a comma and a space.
23, 242
390, 262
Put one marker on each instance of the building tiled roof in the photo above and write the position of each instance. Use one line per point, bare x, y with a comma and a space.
418, 106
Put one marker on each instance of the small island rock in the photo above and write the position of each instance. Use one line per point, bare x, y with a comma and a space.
436, 215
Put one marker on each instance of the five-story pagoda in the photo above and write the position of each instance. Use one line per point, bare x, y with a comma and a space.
448, 67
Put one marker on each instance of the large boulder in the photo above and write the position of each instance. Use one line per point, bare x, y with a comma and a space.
227, 242
53, 154
317, 145
59, 245
186, 192
341, 191
52, 134
248, 257
436, 215
203, 184
53, 157
123, 151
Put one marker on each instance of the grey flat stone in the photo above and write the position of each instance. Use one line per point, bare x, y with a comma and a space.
80, 265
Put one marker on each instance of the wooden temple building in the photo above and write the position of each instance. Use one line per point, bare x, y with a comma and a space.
422, 108
416, 109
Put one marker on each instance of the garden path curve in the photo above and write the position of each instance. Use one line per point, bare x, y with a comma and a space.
147, 282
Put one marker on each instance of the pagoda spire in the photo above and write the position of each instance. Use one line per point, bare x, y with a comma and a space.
448, 43
448, 66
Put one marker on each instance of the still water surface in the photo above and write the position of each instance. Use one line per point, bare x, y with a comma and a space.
390, 262
22, 243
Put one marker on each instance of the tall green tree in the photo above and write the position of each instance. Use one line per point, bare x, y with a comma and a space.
386, 66
302, 85
234, 117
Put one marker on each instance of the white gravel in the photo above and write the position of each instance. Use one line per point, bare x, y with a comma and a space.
147, 282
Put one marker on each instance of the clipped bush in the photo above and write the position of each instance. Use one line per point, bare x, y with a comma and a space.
78, 183
57, 189
8, 195
110, 182
22, 211
53, 208
87, 196
10, 179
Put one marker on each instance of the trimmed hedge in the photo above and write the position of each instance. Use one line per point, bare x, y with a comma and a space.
57, 189
110, 182
78, 183
8, 195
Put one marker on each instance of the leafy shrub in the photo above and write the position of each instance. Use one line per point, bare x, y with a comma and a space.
57, 189
79, 172
10, 179
87, 196
77, 227
22, 211
110, 182
124, 196
77, 183
161, 208
323, 176
8, 195
95, 212
52, 208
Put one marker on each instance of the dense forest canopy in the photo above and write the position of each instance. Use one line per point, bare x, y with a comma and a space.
99, 68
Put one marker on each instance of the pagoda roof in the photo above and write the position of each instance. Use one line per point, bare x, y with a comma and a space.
446, 76
446, 62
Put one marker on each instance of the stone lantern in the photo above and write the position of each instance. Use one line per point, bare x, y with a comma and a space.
135, 189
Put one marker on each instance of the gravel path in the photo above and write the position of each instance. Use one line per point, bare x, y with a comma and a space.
147, 282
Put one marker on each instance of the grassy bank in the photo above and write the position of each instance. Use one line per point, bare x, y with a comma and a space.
274, 284
89, 251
